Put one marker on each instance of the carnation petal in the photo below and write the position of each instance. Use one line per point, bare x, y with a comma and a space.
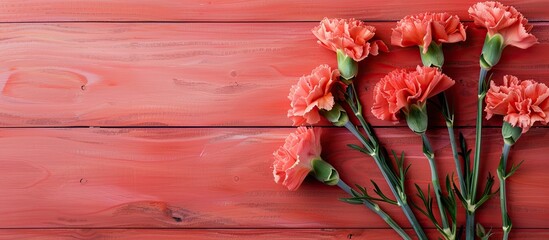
400, 89
293, 161
311, 94
517, 36
505, 20
522, 103
348, 35
295, 176
425, 28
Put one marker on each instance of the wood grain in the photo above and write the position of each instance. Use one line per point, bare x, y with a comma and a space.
232, 234
201, 74
233, 10
198, 66
220, 178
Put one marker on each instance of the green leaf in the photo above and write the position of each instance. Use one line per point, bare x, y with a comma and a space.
362, 189
447, 112
514, 169
355, 193
358, 148
449, 201
352, 99
507, 222
362, 195
487, 193
483, 84
352, 200
400, 166
380, 193
460, 197
427, 151
428, 204
465, 154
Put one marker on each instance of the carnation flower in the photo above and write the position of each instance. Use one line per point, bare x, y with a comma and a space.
349, 39
522, 103
400, 89
299, 156
311, 94
505, 20
350, 36
506, 26
425, 28
428, 31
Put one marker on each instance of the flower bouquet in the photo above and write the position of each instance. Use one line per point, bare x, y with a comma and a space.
330, 92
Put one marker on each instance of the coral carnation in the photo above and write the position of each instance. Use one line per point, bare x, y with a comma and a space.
425, 28
504, 20
399, 89
350, 36
311, 94
293, 161
522, 103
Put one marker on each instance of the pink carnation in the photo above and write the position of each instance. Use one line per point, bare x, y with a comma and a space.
293, 161
311, 94
424, 28
399, 89
350, 36
522, 103
505, 20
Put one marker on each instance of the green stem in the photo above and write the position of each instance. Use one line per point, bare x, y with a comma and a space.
357, 109
470, 226
449, 118
385, 171
470, 230
367, 128
502, 172
351, 127
455, 153
375, 208
434, 177
412, 219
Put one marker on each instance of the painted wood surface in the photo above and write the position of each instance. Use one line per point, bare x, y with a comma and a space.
157, 119
231, 234
239, 10
153, 74
220, 178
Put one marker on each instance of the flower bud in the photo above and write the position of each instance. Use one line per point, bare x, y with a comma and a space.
324, 172
337, 116
434, 57
348, 67
491, 51
510, 134
417, 119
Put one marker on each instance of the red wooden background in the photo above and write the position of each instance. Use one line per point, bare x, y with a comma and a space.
156, 119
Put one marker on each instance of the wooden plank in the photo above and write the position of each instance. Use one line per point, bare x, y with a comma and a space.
222, 10
96, 74
232, 234
221, 178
